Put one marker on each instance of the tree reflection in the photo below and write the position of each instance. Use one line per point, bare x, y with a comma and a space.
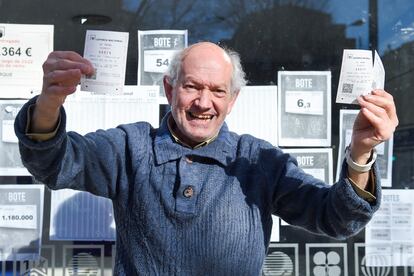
235, 11
288, 38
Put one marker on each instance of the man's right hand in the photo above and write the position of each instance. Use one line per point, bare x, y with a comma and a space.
62, 71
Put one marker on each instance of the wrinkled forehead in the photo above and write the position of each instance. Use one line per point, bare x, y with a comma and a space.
208, 58
207, 50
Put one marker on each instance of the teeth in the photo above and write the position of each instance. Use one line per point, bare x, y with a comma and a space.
201, 116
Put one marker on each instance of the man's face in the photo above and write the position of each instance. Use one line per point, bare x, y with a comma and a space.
201, 98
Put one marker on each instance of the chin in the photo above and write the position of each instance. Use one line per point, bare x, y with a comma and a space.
198, 139
197, 134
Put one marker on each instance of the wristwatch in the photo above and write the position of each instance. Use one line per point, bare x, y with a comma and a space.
358, 167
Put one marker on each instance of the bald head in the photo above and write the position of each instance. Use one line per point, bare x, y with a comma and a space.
206, 48
211, 52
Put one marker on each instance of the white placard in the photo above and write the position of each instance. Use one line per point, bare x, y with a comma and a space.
380, 149
18, 216
304, 108
157, 61
7, 132
327, 259
21, 221
304, 102
317, 162
389, 236
155, 50
275, 236
317, 173
10, 161
23, 49
359, 75
138, 103
384, 150
282, 259
348, 137
255, 113
107, 51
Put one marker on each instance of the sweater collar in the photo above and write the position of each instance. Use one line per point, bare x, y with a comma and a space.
221, 149
170, 123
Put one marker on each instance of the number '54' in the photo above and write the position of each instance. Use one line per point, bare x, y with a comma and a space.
161, 62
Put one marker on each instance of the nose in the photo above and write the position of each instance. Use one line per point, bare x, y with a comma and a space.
204, 99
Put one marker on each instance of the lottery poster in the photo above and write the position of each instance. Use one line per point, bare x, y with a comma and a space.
21, 217
315, 161
384, 150
10, 160
155, 51
23, 49
304, 108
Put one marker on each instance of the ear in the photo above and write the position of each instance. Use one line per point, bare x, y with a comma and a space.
232, 101
168, 88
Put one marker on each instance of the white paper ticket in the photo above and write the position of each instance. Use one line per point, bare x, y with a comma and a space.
108, 52
359, 75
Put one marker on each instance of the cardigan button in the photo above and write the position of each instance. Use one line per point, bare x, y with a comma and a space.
189, 159
188, 192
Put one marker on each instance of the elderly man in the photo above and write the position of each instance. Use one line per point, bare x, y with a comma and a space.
191, 197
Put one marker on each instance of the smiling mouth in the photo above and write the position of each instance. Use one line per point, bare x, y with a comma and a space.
200, 116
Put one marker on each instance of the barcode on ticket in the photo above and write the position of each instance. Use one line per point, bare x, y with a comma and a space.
347, 88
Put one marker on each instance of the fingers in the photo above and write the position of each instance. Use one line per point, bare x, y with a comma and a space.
65, 60
64, 68
62, 72
61, 91
66, 78
381, 104
379, 109
383, 127
60, 83
381, 98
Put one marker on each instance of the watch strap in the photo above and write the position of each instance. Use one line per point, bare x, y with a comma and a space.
358, 167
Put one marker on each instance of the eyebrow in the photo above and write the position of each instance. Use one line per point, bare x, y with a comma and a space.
200, 82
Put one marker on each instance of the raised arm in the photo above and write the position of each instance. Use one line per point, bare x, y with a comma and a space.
62, 71
374, 124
